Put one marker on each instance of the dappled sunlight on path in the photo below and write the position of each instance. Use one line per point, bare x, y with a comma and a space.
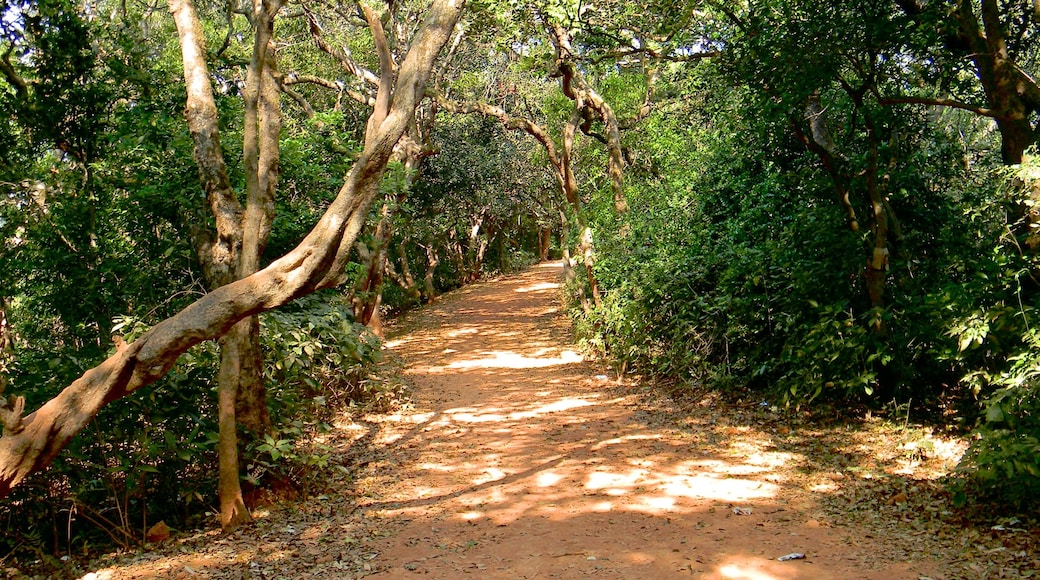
522, 461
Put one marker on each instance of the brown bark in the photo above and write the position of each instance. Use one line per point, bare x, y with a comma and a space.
241, 391
476, 246
568, 263
223, 263
884, 225
570, 187
217, 251
368, 294
411, 151
1012, 95
586, 103
432, 261
233, 511
544, 243
263, 125
32, 442
877, 263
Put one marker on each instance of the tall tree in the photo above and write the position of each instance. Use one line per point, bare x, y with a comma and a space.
233, 251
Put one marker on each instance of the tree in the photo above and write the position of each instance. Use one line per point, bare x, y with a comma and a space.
31, 442
233, 251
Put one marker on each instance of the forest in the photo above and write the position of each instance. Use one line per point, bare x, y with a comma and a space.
209, 210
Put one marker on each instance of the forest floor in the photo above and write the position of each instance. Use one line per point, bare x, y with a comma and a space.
517, 459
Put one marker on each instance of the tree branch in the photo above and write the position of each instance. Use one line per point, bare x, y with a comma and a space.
509, 121
20, 86
386, 69
939, 102
341, 56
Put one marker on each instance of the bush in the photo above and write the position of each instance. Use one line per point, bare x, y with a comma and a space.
1003, 462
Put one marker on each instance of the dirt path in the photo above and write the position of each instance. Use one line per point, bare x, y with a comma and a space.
521, 460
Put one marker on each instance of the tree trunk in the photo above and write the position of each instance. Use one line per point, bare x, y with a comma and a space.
30, 443
233, 511
369, 293
432, 261
570, 187
877, 264
261, 135
407, 279
544, 244
241, 391
476, 248
404, 278
6, 342
818, 140
568, 263
503, 250
220, 252
587, 102
454, 250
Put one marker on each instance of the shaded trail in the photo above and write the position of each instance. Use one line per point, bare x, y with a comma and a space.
522, 461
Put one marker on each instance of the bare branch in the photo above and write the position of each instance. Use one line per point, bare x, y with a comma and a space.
656, 54
939, 102
365, 98
341, 56
509, 121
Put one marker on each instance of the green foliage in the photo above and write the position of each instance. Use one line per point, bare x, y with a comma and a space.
735, 269
317, 353
1003, 462
146, 458
318, 361
1001, 345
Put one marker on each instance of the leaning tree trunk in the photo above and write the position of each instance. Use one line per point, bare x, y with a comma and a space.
30, 443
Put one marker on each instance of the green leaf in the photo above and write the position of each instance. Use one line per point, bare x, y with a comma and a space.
994, 414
